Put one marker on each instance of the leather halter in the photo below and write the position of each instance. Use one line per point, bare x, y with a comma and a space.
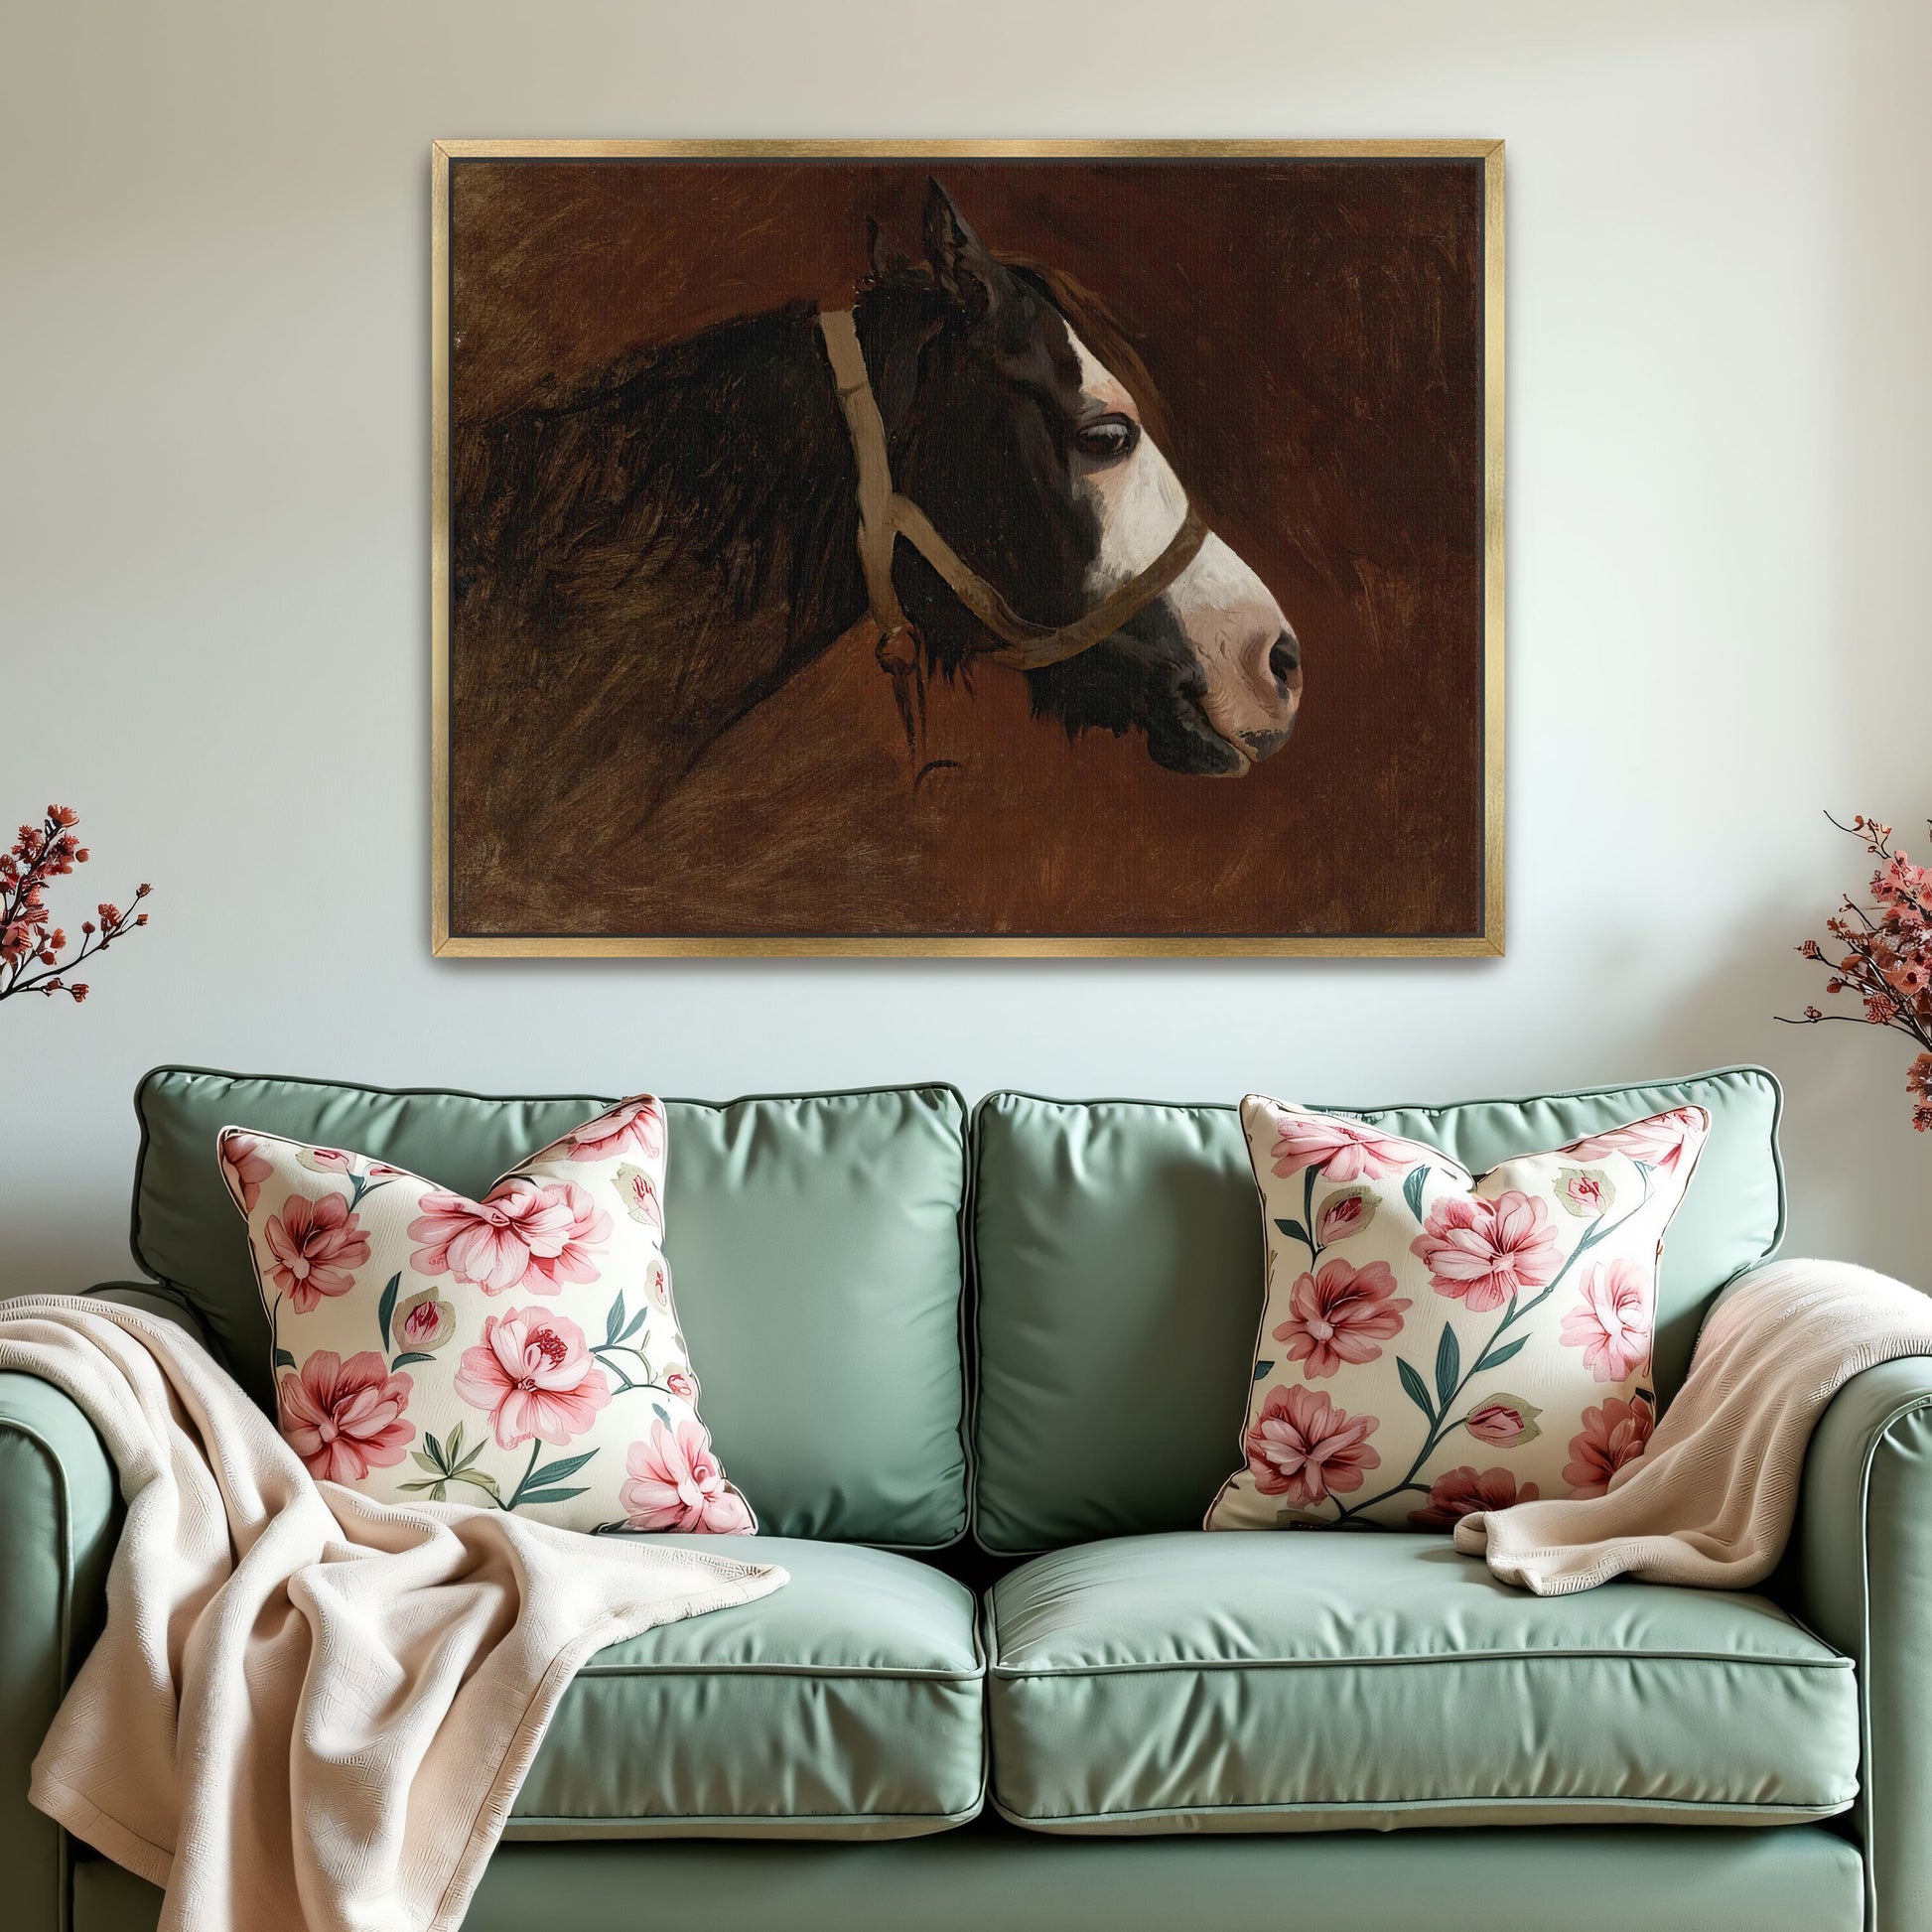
885, 516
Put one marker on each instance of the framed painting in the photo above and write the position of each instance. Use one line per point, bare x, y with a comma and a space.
968, 547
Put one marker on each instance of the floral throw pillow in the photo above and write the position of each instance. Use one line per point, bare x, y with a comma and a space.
1435, 1342
520, 1351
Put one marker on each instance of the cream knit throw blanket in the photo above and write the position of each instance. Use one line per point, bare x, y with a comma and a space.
1711, 1500
309, 1709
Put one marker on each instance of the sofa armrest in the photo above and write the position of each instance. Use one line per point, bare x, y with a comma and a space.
60, 1517
1859, 1573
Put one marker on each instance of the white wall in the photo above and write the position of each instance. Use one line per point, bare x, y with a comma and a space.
214, 535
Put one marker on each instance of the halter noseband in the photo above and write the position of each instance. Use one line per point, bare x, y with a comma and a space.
885, 516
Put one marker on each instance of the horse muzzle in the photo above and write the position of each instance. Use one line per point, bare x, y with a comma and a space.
1246, 650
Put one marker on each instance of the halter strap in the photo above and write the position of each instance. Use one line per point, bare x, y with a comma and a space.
885, 516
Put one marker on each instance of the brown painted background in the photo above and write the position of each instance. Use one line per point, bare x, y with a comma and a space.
1315, 328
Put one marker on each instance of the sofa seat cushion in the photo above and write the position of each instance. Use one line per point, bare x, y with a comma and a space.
847, 1705
1331, 1679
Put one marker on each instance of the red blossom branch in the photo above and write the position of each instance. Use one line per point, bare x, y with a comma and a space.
31, 944
1881, 955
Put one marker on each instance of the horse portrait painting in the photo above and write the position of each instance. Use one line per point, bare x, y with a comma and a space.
959, 552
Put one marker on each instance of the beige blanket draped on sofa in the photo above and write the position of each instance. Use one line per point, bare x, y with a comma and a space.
1711, 1500
308, 1709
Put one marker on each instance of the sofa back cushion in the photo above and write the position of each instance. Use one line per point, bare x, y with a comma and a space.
1119, 1256
816, 1240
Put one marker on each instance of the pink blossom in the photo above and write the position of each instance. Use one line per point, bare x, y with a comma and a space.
524, 1236
1613, 1436
1346, 1212
317, 1247
1462, 1492
682, 1384
1504, 1422
1611, 1324
534, 1375
1342, 1315
1482, 1252
1665, 1141
424, 1323
638, 1192
638, 1123
1340, 1150
563, 1238
246, 1166
346, 1418
1586, 1193
657, 1283
676, 1483
1304, 1447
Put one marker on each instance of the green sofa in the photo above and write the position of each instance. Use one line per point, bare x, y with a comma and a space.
979, 1373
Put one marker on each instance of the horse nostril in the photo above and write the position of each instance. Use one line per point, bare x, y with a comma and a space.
1285, 659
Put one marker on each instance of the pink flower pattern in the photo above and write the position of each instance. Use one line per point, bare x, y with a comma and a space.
343, 1265
1613, 1436
1340, 1150
246, 1166
534, 1375
1504, 1422
1462, 1491
317, 1246
1663, 1142
1301, 1446
1342, 1315
346, 1418
1611, 1324
524, 1236
1549, 1260
675, 1484
1482, 1252
638, 1123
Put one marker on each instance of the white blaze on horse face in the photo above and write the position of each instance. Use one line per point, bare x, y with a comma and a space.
1236, 631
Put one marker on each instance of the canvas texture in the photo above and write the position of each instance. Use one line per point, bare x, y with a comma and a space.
522, 1350
1435, 1342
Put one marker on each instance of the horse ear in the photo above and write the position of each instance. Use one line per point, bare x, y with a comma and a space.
961, 261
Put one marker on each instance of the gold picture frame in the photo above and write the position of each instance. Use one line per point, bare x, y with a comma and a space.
1485, 941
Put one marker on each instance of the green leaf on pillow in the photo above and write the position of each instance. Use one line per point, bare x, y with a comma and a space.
556, 1471
403, 1361
637, 1321
385, 1308
1498, 1356
1417, 1392
283, 1359
436, 1448
1295, 1232
614, 1320
547, 1496
662, 1414
1449, 1365
1261, 1369
1412, 1189
423, 1460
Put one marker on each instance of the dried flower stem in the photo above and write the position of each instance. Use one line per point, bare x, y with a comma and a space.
31, 944
1883, 956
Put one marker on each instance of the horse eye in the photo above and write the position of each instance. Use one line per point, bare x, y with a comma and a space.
1108, 439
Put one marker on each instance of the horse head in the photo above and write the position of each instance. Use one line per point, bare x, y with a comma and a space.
1038, 461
